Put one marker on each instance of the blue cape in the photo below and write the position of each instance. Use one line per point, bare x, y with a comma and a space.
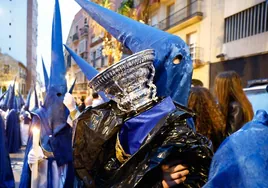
6, 174
242, 159
13, 132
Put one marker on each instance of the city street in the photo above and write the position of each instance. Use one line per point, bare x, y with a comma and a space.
16, 164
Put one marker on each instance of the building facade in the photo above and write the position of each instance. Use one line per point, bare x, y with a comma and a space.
10, 69
83, 40
222, 34
18, 23
78, 40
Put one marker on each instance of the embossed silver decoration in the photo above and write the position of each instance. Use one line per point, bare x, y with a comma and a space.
129, 82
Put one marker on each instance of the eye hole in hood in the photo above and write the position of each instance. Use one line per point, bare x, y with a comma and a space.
177, 59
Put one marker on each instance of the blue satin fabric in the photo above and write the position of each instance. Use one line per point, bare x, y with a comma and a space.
242, 159
13, 132
135, 130
6, 174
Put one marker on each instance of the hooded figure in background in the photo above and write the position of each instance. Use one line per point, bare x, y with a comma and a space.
13, 124
45, 75
6, 174
36, 103
20, 102
4, 105
25, 120
241, 160
55, 162
124, 143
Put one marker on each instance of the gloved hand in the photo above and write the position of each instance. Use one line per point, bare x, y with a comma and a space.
69, 102
34, 157
6, 114
28, 115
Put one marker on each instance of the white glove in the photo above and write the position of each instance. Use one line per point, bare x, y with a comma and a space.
6, 114
69, 102
34, 157
28, 115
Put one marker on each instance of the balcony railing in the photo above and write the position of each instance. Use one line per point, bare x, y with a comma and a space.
191, 10
84, 31
196, 53
75, 37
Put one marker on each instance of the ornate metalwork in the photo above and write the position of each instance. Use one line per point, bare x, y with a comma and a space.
129, 82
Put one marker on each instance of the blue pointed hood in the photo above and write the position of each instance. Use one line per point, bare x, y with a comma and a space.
171, 79
12, 98
87, 69
53, 105
16, 107
2, 100
36, 104
46, 79
57, 69
5, 104
20, 101
27, 103
3, 95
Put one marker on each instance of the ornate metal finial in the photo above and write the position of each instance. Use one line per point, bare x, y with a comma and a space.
129, 82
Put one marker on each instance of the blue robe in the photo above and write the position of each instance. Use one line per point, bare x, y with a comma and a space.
242, 159
6, 174
60, 144
13, 132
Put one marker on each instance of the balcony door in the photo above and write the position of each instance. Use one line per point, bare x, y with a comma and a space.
170, 15
191, 41
191, 7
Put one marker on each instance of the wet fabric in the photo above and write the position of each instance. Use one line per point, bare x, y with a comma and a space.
171, 139
241, 160
136, 129
6, 174
13, 132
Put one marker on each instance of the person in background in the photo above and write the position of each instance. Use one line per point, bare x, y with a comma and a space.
209, 119
88, 102
82, 106
97, 100
235, 106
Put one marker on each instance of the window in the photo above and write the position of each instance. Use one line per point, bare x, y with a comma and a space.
85, 21
76, 29
170, 14
192, 7
247, 23
6, 69
191, 41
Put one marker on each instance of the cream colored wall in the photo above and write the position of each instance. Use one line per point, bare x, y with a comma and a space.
235, 6
202, 74
247, 46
